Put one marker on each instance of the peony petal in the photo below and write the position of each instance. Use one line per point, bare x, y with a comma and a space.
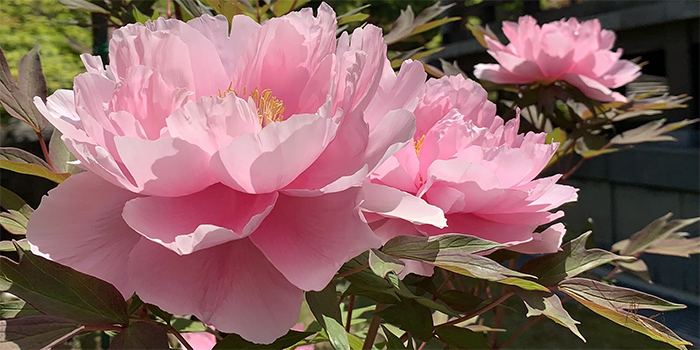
231, 286
167, 167
549, 241
473, 225
271, 159
393, 203
79, 224
198, 221
592, 88
309, 238
499, 75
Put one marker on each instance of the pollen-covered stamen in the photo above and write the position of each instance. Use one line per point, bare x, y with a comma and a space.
418, 144
270, 108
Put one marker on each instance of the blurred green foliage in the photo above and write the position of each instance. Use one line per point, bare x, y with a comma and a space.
63, 35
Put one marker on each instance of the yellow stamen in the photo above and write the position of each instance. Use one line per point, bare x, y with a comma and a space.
270, 108
418, 144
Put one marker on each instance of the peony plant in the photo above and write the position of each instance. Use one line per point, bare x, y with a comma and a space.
260, 178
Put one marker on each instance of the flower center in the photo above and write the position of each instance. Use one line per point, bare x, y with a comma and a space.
270, 108
418, 144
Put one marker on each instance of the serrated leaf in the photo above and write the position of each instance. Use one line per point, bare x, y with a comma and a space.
35, 332
382, 264
572, 260
411, 317
12, 306
58, 290
84, 5
650, 132
641, 324
461, 338
141, 335
550, 306
657, 230
614, 297
234, 341
23, 162
324, 306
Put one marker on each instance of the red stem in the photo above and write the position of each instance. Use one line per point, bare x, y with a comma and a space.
45, 151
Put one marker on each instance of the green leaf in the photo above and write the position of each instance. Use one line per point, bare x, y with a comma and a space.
418, 248
10, 200
548, 305
14, 101
234, 341
141, 335
84, 5
480, 33
556, 135
657, 230
650, 132
30, 76
410, 316
460, 301
58, 290
627, 319
392, 341
165, 316
367, 284
12, 306
193, 7
282, 7
184, 325
572, 260
36, 332
15, 222
358, 17
614, 297
461, 338
433, 24
23, 162
382, 264
324, 306
406, 24
9, 246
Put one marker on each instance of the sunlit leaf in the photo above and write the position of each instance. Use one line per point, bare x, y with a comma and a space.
282, 7
10, 200
324, 306
141, 335
234, 341
58, 290
572, 260
30, 76
60, 155
656, 230
382, 264
16, 103
228, 8
639, 268
428, 247
480, 32
392, 341
451, 69
358, 17
23, 162
549, 305
461, 338
193, 7
12, 306
650, 132
615, 297
15, 222
84, 5
433, 24
407, 22
9, 246
606, 305
35, 332
184, 325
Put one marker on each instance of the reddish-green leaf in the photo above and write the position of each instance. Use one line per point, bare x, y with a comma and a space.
549, 305
36, 332
657, 230
615, 297
141, 335
23, 162
58, 290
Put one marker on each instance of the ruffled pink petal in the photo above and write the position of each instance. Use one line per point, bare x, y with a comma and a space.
621, 73
391, 202
499, 75
392, 133
168, 167
399, 171
518, 65
202, 220
549, 241
557, 54
212, 122
229, 48
309, 238
200, 340
231, 286
396, 92
271, 159
79, 224
592, 88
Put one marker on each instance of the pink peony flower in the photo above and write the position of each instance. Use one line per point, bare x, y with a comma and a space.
224, 171
466, 163
578, 53
199, 340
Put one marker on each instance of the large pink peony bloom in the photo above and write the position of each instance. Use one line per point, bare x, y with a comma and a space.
578, 53
224, 171
467, 163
